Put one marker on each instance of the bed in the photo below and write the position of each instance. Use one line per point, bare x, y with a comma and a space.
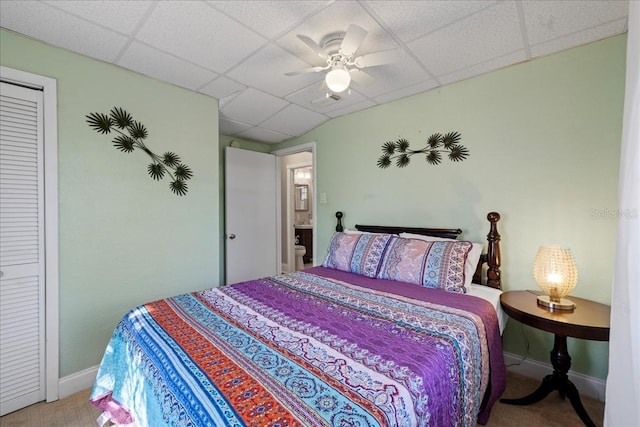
362, 340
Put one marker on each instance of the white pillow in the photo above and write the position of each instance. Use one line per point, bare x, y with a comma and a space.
347, 231
426, 238
470, 264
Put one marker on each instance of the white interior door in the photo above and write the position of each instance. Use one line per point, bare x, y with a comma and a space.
22, 296
250, 217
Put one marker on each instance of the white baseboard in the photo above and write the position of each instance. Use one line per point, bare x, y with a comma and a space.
587, 386
72, 384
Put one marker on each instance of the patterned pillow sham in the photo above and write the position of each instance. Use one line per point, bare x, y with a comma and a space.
435, 264
357, 253
470, 264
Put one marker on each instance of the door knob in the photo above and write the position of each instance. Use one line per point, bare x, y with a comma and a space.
232, 236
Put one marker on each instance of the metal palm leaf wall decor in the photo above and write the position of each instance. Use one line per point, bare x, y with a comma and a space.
437, 145
131, 135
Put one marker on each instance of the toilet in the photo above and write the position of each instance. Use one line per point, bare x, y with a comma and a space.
300, 252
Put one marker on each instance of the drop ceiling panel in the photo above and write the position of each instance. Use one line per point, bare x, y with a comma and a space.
413, 19
162, 66
546, 21
294, 120
119, 15
265, 135
231, 127
253, 106
269, 18
58, 28
579, 38
488, 34
222, 87
200, 34
227, 99
315, 98
265, 70
351, 108
484, 67
407, 91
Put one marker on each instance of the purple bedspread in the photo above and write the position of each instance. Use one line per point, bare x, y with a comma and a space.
482, 308
314, 348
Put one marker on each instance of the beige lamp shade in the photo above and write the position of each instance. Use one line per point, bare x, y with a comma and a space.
555, 272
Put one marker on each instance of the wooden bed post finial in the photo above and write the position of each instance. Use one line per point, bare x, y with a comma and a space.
339, 227
493, 252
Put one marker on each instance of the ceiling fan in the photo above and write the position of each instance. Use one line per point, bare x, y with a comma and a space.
339, 50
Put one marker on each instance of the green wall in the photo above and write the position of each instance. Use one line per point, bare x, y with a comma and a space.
544, 138
124, 238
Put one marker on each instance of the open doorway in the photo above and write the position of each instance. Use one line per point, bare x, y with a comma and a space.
297, 185
299, 252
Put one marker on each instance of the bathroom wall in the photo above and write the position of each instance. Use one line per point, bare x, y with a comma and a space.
304, 176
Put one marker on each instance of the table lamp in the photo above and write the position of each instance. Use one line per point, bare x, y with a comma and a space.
555, 272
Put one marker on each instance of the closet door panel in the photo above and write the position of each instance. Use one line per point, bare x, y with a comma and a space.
21, 249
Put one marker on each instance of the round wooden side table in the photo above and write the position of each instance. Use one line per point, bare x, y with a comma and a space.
589, 320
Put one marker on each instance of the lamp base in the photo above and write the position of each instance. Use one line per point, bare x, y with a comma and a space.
562, 304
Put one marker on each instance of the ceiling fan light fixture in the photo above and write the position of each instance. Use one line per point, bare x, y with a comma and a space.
338, 80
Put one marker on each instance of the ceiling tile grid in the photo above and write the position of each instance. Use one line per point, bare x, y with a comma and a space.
351, 108
317, 99
231, 127
579, 38
407, 91
546, 21
270, 18
59, 28
163, 66
263, 71
119, 15
484, 67
197, 32
294, 120
239, 51
264, 135
222, 87
253, 106
413, 19
488, 34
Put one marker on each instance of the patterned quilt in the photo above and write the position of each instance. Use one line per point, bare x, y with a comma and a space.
303, 350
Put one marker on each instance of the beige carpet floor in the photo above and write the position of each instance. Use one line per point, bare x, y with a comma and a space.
75, 411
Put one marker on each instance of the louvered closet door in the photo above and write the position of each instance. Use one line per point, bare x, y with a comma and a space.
21, 248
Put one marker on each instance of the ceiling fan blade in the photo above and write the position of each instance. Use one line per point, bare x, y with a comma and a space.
305, 71
361, 77
314, 46
352, 40
377, 58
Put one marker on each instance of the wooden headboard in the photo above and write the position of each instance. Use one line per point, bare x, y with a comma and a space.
491, 258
